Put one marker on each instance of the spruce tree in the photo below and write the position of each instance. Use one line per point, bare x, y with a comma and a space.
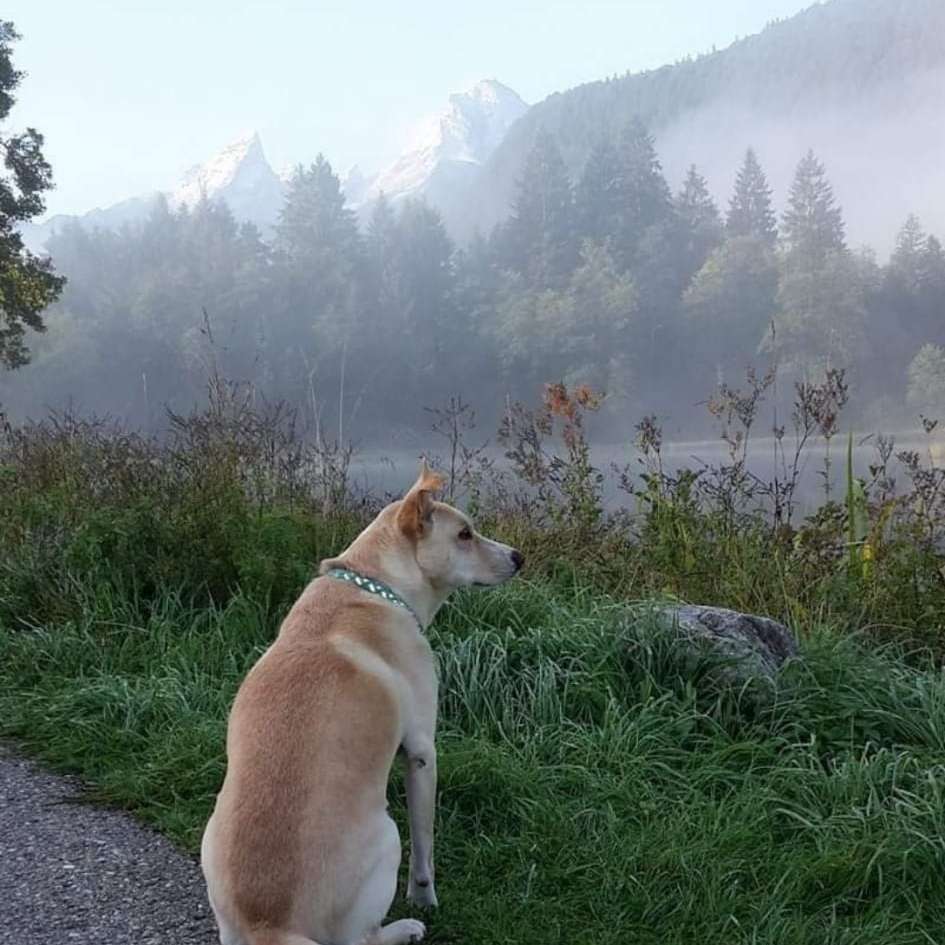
381, 245
644, 196
319, 252
27, 284
749, 210
539, 236
381, 317
823, 288
931, 273
906, 259
699, 222
597, 196
425, 281
812, 225
930, 288
314, 216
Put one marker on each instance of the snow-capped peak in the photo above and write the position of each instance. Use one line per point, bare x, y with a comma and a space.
467, 130
242, 161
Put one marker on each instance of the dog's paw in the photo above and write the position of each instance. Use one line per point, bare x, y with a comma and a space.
405, 930
422, 893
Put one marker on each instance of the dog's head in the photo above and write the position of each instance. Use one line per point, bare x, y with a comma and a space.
449, 551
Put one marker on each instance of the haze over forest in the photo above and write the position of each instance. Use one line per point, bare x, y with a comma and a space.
778, 202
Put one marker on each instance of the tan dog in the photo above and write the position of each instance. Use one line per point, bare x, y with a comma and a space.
300, 848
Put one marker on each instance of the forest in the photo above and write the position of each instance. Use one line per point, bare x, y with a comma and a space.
651, 297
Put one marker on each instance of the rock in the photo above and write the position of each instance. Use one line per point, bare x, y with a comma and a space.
747, 646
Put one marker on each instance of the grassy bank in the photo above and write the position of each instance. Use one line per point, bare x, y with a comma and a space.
594, 786
591, 789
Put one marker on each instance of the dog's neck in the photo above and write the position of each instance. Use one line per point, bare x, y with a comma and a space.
385, 560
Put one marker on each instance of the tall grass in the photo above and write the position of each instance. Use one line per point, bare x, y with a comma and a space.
596, 784
593, 787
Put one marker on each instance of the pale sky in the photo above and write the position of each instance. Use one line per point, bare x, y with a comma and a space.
130, 94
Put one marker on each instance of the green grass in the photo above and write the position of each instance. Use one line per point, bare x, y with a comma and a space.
594, 786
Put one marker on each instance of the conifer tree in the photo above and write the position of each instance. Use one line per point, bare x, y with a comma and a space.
822, 292
645, 198
382, 309
749, 210
424, 274
812, 224
27, 284
540, 236
906, 259
381, 245
930, 290
597, 196
315, 216
319, 250
931, 274
699, 222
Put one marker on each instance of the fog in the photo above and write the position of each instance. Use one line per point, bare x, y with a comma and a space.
361, 301
884, 155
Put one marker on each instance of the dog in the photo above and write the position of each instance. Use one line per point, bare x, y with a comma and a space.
300, 848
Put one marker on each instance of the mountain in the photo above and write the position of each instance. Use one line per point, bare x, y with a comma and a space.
446, 151
439, 164
239, 175
862, 82
113, 217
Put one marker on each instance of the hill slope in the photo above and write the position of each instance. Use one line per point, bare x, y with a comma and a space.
860, 81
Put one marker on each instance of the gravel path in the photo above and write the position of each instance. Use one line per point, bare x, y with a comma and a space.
76, 874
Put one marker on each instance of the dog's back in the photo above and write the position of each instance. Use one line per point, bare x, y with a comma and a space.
312, 735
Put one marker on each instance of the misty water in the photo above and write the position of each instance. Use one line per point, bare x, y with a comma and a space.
387, 473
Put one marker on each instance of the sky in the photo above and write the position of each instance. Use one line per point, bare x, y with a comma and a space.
129, 94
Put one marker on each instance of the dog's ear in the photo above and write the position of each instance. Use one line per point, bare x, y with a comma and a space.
416, 509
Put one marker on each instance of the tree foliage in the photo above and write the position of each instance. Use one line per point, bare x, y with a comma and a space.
27, 284
750, 212
613, 281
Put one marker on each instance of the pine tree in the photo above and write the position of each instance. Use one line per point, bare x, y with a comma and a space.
644, 196
931, 271
382, 226
27, 284
812, 224
749, 210
315, 216
597, 196
381, 245
699, 222
695, 204
930, 289
539, 237
906, 259
320, 258
425, 281
823, 288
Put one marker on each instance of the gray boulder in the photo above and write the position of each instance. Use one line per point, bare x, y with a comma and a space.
747, 647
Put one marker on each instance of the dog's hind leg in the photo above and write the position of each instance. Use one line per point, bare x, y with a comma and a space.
377, 894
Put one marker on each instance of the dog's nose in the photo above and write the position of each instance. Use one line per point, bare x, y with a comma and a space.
518, 559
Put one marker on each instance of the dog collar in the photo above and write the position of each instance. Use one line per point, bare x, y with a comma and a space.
373, 586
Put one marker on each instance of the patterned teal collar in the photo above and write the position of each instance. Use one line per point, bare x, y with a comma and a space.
373, 586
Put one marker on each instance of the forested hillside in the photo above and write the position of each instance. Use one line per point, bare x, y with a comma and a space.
860, 81
609, 278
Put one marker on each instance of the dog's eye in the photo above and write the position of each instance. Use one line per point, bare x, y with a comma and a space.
465, 534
